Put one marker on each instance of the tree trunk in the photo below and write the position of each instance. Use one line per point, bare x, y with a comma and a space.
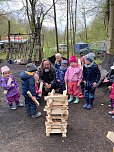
55, 26
75, 22
67, 31
9, 46
109, 55
85, 25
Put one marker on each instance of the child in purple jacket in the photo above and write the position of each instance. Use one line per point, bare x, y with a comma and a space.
11, 88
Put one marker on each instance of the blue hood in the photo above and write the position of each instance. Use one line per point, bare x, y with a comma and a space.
24, 75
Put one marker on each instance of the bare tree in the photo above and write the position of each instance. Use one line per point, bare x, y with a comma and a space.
55, 25
109, 55
36, 13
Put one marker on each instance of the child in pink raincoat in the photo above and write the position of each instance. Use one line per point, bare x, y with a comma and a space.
37, 81
112, 98
73, 77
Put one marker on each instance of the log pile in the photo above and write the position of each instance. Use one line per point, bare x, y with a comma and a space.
57, 113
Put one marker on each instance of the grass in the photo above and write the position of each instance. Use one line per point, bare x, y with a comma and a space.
2, 56
48, 52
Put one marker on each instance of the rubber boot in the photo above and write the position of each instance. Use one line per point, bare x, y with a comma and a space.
76, 100
71, 98
90, 105
86, 104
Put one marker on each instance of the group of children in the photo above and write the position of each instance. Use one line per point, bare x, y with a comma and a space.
68, 77
86, 72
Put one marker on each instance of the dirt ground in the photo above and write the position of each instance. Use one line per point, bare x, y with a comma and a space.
87, 129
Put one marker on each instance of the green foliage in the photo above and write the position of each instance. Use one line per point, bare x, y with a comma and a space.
15, 26
95, 32
50, 39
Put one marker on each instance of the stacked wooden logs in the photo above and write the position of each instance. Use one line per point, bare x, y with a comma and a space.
57, 113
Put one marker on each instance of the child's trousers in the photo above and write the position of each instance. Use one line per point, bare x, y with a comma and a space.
73, 89
31, 108
89, 95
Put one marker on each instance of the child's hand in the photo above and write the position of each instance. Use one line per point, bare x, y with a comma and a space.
84, 83
33, 98
39, 91
12, 85
17, 88
78, 84
94, 84
110, 88
48, 85
58, 81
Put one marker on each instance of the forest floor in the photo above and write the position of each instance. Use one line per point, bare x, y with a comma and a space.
87, 129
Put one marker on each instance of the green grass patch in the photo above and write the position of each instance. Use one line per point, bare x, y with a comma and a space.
2, 56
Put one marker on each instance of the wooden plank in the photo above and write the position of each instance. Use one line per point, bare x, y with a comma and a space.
53, 107
58, 130
57, 118
55, 127
56, 97
110, 136
40, 89
56, 112
56, 103
56, 123
64, 135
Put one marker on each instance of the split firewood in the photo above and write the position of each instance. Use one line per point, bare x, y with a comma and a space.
34, 100
40, 89
110, 136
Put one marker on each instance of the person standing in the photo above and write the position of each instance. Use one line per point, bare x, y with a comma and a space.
91, 77
73, 77
28, 84
60, 74
11, 88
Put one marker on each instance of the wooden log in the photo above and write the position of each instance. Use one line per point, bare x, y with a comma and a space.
56, 97
30, 95
57, 130
56, 123
51, 107
40, 89
58, 118
56, 112
64, 135
56, 127
56, 103
110, 136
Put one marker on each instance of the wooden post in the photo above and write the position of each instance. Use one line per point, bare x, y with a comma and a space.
8, 53
39, 38
67, 32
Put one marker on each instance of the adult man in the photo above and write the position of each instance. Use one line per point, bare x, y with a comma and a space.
47, 75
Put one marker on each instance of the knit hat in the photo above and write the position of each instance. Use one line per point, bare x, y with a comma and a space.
58, 54
72, 59
90, 57
31, 67
4, 69
64, 62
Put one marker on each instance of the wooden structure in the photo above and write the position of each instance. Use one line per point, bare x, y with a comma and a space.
57, 113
